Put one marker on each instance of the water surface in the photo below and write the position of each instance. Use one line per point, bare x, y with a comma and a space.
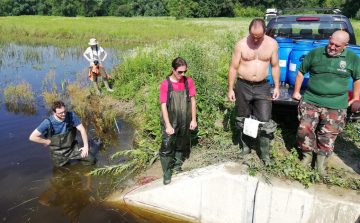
33, 190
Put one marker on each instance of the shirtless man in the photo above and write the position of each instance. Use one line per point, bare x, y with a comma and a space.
250, 60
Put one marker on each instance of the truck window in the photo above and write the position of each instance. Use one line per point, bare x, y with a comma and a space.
316, 30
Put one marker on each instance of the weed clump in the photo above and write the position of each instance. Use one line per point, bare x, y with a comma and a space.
20, 99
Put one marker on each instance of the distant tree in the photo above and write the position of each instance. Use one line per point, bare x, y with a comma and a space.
357, 16
19, 7
148, 7
67, 8
181, 8
351, 7
89, 8
123, 10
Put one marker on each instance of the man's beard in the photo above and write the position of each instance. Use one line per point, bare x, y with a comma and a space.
335, 54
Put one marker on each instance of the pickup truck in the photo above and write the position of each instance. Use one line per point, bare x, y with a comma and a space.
296, 35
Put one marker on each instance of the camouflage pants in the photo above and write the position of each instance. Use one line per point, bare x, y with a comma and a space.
319, 128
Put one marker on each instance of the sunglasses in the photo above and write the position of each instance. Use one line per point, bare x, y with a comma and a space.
61, 113
181, 72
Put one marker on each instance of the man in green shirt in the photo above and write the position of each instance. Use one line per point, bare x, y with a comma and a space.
322, 110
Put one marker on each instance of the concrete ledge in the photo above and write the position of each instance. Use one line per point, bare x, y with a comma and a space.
226, 193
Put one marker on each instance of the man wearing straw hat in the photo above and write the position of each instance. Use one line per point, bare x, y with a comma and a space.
322, 110
93, 55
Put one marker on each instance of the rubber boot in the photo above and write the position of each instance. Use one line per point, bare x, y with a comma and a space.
107, 86
307, 158
245, 143
166, 163
265, 148
96, 86
320, 164
178, 161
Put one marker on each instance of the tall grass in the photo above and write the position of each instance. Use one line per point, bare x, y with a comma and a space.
20, 99
142, 71
114, 30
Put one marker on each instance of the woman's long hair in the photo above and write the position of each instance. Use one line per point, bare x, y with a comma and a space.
178, 62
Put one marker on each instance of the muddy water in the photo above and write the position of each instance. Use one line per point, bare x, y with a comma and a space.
32, 189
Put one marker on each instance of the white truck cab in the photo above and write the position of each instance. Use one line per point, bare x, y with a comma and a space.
269, 14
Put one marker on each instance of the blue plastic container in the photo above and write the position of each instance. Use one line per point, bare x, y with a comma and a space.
295, 58
269, 77
284, 40
351, 84
284, 52
285, 47
354, 48
320, 43
304, 42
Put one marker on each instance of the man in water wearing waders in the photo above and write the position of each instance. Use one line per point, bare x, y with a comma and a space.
250, 60
93, 54
322, 109
177, 117
60, 129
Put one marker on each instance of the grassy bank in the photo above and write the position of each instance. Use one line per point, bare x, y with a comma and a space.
215, 139
108, 30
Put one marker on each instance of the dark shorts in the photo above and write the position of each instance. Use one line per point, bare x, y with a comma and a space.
253, 99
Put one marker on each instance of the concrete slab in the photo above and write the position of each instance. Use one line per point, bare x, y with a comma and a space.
226, 193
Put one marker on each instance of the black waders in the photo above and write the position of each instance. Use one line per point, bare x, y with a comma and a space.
64, 147
179, 111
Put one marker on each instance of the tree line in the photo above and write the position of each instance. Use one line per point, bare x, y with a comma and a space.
177, 8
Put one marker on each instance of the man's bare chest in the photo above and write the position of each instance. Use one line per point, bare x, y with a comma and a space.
258, 54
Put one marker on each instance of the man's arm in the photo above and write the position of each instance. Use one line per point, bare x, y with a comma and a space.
275, 72
84, 150
35, 137
193, 122
356, 94
298, 82
165, 114
235, 60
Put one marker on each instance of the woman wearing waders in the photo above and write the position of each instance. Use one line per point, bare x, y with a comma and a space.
60, 131
177, 117
93, 55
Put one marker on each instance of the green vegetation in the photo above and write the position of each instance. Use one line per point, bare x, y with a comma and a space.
207, 45
179, 9
110, 31
20, 99
138, 79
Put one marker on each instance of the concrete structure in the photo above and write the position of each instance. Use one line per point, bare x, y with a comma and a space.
226, 193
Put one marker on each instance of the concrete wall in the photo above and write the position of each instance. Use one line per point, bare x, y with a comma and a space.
226, 193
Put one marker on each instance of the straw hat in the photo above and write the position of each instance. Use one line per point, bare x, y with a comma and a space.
93, 42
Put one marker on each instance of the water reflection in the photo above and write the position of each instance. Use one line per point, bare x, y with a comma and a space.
23, 109
67, 190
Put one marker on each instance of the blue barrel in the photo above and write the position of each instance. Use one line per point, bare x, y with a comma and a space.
296, 57
304, 42
356, 49
284, 52
269, 77
285, 47
284, 40
351, 84
320, 43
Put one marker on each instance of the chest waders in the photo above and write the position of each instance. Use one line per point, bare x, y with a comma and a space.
64, 147
178, 106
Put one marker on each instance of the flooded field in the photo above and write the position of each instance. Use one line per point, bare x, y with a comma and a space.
33, 190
